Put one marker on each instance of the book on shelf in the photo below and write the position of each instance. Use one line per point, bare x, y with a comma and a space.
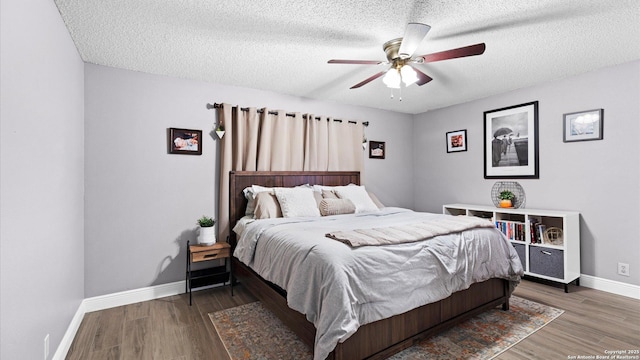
536, 231
532, 230
541, 230
513, 230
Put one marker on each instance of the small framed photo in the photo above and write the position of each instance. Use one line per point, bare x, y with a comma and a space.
376, 149
511, 142
457, 141
184, 141
583, 125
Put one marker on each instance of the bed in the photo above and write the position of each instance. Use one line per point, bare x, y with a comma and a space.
373, 340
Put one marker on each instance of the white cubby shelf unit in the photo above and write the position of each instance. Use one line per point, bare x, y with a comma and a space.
555, 257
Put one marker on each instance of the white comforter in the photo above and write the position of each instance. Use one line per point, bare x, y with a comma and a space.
339, 288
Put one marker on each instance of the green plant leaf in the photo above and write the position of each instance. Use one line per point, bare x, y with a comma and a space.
206, 221
506, 195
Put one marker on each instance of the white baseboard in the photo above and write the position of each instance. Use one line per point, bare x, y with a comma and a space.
112, 300
116, 299
70, 334
133, 296
159, 291
611, 286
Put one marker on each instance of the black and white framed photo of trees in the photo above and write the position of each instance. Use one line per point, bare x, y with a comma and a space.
511, 142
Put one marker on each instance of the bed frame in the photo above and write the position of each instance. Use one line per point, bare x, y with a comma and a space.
377, 340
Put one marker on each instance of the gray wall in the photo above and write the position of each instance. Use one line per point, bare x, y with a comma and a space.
142, 203
600, 179
105, 138
41, 246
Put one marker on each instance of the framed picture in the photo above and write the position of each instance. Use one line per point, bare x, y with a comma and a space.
511, 142
184, 141
376, 149
583, 125
457, 141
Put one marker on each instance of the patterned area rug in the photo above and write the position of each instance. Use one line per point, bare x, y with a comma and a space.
252, 332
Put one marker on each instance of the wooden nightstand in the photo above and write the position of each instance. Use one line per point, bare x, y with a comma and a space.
211, 275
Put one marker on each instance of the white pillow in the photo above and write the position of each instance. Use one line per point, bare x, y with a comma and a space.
252, 191
296, 202
358, 196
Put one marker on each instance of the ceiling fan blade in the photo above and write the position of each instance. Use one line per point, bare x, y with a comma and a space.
368, 80
356, 62
422, 77
470, 50
413, 35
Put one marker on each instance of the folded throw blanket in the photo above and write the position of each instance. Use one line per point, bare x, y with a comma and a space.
410, 232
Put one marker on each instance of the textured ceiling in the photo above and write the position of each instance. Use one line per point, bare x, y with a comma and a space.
284, 46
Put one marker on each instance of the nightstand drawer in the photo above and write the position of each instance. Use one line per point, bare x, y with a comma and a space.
210, 254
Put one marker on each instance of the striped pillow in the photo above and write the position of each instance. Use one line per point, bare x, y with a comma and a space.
336, 207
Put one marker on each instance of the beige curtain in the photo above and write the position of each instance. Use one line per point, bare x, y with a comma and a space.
316, 151
275, 141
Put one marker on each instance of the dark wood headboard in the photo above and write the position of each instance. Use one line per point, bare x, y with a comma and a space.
238, 180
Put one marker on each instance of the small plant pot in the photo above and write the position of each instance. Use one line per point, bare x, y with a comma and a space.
207, 236
220, 133
505, 204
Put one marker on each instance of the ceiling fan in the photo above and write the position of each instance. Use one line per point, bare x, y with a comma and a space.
402, 61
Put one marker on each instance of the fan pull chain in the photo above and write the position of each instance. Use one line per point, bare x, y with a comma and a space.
399, 93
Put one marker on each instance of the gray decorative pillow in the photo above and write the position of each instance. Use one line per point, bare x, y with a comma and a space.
336, 207
329, 194
250, 194
267, 206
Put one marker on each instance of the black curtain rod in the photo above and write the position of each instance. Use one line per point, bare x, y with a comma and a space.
260, 111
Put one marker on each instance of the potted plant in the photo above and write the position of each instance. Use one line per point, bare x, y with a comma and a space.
207, 235
220, 130
506, 199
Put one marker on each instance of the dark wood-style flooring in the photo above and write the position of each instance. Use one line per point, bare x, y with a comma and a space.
168, 328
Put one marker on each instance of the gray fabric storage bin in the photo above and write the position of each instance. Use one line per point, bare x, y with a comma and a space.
546, 261
520, 249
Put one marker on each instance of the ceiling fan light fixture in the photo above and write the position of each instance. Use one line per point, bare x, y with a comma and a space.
401, 57
392, 79
408, 75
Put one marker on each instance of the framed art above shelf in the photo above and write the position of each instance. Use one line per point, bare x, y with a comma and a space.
511, 142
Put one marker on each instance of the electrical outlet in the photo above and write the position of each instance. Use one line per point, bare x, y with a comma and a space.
46, 347
623, 269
